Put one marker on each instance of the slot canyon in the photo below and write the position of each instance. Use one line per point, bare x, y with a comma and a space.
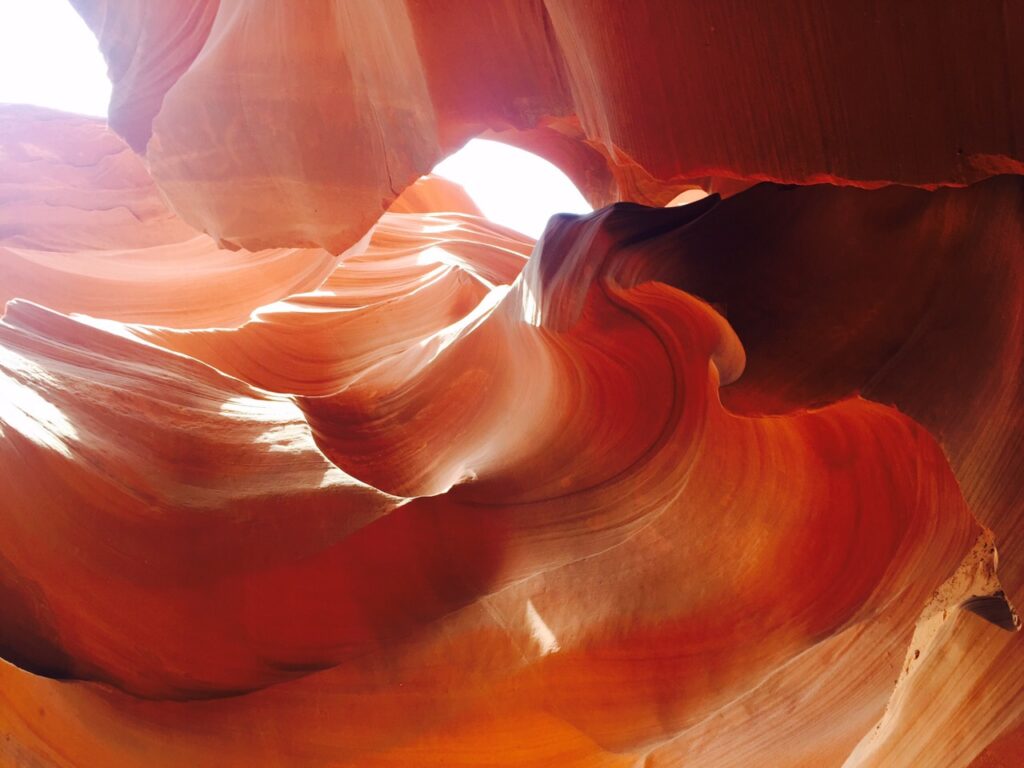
305, 461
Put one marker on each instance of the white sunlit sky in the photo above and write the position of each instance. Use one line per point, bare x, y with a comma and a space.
49, 57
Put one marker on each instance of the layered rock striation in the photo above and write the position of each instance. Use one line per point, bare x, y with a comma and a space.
304, 462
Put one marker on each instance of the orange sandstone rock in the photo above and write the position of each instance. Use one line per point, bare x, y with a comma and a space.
720, 483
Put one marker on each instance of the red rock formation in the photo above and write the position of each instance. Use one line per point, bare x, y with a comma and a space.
715, 484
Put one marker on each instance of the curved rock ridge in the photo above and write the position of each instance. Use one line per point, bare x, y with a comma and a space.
84, 229
663, 92
434, 194
420, 274
148, 46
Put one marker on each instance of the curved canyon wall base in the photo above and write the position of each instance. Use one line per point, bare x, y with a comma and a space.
304, 462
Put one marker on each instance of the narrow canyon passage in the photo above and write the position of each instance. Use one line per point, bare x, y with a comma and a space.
511, 383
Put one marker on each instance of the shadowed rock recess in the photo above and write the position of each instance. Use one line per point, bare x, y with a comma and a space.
304, 462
